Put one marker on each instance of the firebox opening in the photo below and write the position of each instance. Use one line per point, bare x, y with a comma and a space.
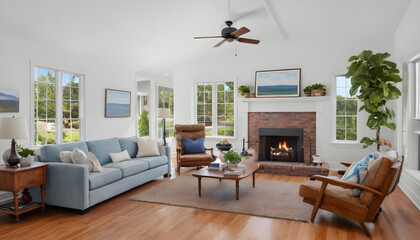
281, 144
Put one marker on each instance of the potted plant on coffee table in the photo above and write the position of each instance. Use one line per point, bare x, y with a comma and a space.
319, 89
245, 90
26, 154
232, 158
307, 91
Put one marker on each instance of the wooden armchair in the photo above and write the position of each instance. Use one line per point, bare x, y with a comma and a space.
193, 132
334, 195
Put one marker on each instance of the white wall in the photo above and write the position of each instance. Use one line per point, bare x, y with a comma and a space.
101, 72
319, 59
407, 45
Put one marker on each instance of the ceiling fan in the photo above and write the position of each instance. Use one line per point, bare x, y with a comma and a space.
231, 34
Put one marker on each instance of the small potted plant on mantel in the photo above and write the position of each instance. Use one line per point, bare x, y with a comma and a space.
245, 90
319, 89
308, 91
26, 154
232, 158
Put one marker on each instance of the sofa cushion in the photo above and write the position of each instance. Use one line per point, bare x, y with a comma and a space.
335, 196
102, 148
51, 153
147, 147
129, 144
154, 161
107, 176
129, 167
120, 156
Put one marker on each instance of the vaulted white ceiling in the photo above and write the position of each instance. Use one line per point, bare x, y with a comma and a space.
146, 33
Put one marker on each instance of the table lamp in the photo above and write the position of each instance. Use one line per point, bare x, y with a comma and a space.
14, 128
163, 113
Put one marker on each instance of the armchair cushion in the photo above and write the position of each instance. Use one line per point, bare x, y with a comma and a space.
193, 146
196, 157
190, 131
376, 175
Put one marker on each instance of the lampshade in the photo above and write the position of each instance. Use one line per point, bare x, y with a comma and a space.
14, 128
163, 113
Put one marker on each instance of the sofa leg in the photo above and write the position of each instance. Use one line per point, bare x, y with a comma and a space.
167, 175
83, 212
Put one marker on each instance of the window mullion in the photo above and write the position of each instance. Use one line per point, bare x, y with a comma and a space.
214, 108
59, 108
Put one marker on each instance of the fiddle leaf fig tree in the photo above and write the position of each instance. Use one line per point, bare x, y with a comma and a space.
373, 78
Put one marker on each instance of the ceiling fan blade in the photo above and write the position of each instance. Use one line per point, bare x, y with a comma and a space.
240, 32
220, 43
208, 37
250, 14
248, 40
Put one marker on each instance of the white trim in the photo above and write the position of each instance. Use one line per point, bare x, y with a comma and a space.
409, 183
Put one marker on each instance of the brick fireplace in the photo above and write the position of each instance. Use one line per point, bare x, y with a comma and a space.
303, 120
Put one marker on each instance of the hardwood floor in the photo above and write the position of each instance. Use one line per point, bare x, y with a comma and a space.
119, 218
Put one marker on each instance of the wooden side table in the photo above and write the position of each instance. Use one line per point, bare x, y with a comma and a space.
14, 179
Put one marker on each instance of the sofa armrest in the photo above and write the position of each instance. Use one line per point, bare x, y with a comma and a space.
67, 186
168, 154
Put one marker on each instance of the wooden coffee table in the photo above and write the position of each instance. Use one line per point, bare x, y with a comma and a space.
251, 168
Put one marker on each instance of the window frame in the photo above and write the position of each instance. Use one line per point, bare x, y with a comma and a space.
59, 69
214, 107
358, 117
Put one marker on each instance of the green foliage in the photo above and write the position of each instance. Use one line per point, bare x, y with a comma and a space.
307, 89
24, 152
42, 138
244, 89
376, 79
144, 123
319, 86
233, 157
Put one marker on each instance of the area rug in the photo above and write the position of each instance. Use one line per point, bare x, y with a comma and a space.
272, 199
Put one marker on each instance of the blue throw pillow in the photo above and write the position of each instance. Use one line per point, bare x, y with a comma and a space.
356, 173
191, 146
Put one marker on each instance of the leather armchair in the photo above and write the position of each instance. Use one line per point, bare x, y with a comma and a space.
193, 132
334, 195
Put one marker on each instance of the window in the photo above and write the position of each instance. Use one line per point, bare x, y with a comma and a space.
346, 111
56, 106
143, 117
417, 79
166, 100
220, 96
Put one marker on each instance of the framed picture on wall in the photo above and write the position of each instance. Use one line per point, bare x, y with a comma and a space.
9, 100
278, 83
117, 103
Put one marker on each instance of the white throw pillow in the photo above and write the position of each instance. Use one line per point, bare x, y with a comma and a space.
96, 165
65, 157
120, 156
147, 147
79, 157
390, 154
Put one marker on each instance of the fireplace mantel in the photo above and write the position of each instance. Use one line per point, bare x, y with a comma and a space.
295, 104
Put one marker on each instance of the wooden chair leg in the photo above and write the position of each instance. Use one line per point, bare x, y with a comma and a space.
178, 167
365, 229
318, 201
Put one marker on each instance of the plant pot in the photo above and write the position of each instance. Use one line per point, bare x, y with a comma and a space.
308, 94
26, 161
232, 165
317, 92
252, 95
247, 95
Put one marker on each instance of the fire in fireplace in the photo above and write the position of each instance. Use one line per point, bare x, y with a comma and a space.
283, 153
280, 144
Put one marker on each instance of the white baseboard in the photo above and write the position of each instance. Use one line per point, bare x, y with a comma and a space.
5, 197
410, 185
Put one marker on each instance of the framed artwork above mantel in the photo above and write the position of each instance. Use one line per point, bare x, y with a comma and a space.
278, 83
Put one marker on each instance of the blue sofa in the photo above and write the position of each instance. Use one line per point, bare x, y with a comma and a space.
73, 186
